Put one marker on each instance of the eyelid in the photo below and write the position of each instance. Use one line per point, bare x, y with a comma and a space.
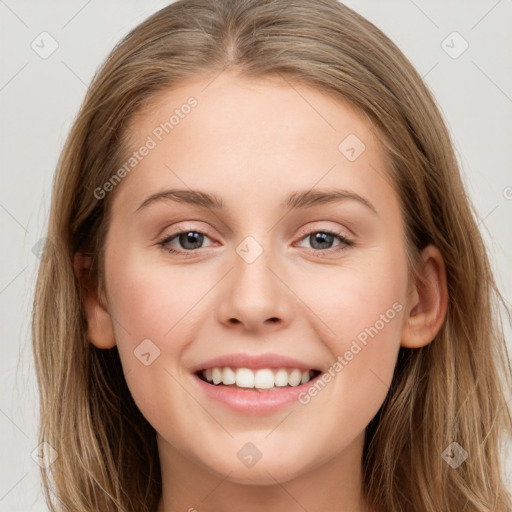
184, 226
338, 230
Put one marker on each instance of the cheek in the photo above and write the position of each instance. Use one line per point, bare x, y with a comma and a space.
150, 299
150, 309
356, 294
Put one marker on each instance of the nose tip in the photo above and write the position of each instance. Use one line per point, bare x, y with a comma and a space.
254, 294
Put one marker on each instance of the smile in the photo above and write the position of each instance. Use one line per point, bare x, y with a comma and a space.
258, 392
262, 379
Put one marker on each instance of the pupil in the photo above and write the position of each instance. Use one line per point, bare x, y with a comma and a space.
191, 237
322, 238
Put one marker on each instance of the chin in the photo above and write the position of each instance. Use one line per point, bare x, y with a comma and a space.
262, 473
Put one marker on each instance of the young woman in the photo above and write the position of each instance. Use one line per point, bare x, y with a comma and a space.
264, 287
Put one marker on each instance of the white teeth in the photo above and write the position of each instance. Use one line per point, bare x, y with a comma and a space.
228, 376
281, 377
217, 375
264, 379
261, 379
244, 378
294, 377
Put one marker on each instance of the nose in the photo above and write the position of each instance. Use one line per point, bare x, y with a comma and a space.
255, 295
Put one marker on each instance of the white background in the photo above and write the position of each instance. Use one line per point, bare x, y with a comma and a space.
40, 97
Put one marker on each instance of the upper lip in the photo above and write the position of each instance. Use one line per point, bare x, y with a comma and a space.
254, 362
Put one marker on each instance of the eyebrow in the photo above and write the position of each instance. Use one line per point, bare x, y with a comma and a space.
296, 200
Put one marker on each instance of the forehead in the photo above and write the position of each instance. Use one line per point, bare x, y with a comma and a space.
245, 108
260, 137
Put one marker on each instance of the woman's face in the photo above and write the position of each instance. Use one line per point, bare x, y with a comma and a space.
261, 276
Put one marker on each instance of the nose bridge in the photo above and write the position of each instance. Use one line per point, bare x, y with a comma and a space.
253, 279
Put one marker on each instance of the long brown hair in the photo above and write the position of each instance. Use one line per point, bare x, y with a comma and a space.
451, 390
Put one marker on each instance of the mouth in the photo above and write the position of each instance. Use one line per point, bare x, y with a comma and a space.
259, 380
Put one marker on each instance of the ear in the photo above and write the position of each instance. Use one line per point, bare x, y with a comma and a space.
100, 331
428, 301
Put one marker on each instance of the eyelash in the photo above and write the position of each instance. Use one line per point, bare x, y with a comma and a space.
345, 241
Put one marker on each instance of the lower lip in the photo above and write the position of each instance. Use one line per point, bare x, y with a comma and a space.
252, 401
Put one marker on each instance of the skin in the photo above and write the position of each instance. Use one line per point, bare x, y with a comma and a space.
266, 139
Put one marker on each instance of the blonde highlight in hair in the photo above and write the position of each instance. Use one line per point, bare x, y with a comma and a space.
451, 390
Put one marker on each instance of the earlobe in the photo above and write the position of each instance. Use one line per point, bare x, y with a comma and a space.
100, 331
428, 301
